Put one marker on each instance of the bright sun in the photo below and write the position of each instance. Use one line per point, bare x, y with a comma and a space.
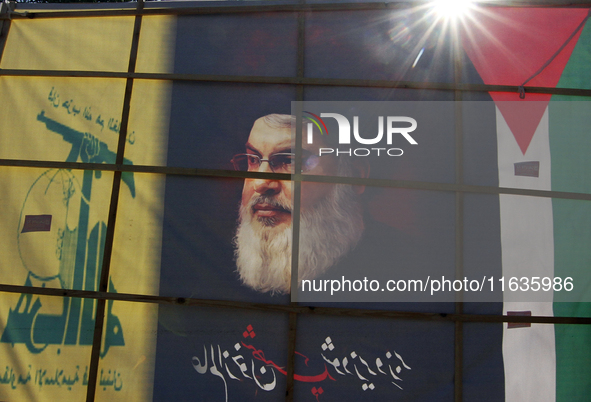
449, 9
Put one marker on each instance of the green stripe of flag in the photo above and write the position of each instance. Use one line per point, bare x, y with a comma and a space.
570, 148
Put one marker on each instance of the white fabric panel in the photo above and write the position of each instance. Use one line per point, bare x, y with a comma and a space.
528, 250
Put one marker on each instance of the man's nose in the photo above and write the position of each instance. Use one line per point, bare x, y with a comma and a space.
266, 186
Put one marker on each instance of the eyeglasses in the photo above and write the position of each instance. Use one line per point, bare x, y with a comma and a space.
279, 163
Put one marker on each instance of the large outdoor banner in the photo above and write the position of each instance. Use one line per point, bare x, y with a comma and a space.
54, 220
348, 195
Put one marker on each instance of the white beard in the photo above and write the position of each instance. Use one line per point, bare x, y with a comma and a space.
328, 231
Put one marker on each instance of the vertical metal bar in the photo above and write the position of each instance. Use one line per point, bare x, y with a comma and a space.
5, 9
296, 176
104, 280
458, 361
295, 216
459, 216
293, 322
295, 222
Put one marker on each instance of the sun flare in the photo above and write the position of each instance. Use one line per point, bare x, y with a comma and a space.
451, 9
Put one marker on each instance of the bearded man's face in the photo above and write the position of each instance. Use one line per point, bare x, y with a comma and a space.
331, 221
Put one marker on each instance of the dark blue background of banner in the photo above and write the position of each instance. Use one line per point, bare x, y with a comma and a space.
210, 123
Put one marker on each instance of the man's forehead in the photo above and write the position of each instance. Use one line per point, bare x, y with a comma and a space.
262, 134
265, 138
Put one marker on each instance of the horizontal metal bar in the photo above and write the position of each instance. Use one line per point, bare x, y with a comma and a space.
232, 8
64, 73
438, 86
168, 170
455, 187
356, 181
294, 308
228, 8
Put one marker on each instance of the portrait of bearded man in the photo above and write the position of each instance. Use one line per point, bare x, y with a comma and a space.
331, 216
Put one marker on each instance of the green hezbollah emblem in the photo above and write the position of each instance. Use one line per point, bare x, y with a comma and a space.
54, 244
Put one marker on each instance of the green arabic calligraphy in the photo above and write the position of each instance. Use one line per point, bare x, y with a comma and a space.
60, 378
113, 124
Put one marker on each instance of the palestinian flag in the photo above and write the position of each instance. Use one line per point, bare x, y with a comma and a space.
543, 144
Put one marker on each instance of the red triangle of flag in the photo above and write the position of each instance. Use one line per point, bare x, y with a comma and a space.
508, 45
